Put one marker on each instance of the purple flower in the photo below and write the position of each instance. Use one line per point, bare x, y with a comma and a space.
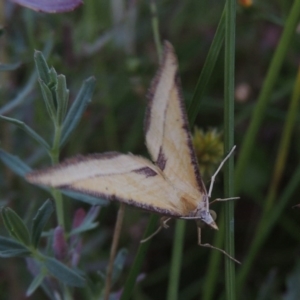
60, 245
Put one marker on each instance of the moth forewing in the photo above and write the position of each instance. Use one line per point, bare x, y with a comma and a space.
126, 178
167, 134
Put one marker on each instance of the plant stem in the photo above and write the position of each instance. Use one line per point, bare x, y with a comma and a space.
54, 155
173, 284
212, 274
139, 258
113, 250
228, 144
59, 207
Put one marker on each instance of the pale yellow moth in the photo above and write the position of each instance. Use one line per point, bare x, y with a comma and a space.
170, 184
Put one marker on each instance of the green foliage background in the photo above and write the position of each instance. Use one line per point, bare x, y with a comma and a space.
115, 44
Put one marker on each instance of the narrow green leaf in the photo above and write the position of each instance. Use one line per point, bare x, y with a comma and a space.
84, 228
78, 107
22, 95
14, 163
37, 281
88, 222
62, 98
119, 265
207, 69
6, 221
9, 67
48, 99
27, 129
41, 66
11, 248
40, 220
15, 225
53, 78
8, 243
292, 284
15, 253
63, 273
85, 198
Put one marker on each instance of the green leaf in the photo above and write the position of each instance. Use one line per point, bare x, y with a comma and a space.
78, 107
11, 248
292, 284
64, 273
62, 98
48, 99
14, 163
9, 67
119, 264
88, 222
53, 78
40, 220
85, 198
28, 130
15, 253
22, 95
37, 281
42, 66
15, 225
206, 71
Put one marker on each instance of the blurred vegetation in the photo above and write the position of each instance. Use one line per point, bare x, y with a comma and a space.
113, 41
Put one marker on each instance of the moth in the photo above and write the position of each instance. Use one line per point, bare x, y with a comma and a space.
170, 184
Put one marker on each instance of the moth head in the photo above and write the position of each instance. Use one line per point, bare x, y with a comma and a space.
207, 218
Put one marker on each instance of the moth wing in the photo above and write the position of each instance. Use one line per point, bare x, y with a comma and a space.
126, 178
167, 132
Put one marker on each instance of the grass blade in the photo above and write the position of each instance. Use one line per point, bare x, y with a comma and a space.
206, 71
267, 88
229, 77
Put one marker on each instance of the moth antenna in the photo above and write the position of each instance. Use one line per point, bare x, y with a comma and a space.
216, 248
163, 224
218, 170
223, 200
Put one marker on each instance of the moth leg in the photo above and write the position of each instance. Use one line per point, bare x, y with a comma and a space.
163, 224
218, 170
223, 199
215, 248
